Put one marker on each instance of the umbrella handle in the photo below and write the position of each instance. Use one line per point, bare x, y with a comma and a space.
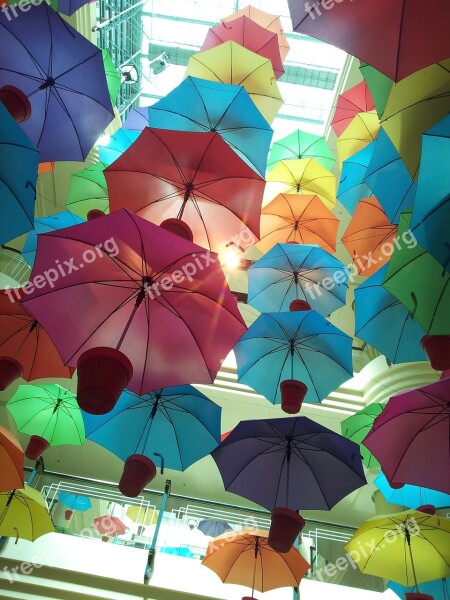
414, 299
162, 461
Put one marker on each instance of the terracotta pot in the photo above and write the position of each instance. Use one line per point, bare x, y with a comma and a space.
137, 473
437, 348
10, 370
299, 305
285, 526
16, 102
292, 394
417, 596
429, 509
95, 213
178, 227
68, 513
36, 447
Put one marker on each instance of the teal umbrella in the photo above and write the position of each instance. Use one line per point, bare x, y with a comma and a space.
301, 144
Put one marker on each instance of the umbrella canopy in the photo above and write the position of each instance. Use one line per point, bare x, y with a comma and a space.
143, 515
297, 218
385, 323
301, 144
63, 76
18, 176
174, 325
360, 132
357, 31
109, 525
411, 496
195, 177
403, 546
213, 528
201, 105
410, 437
356, 428
137, 119
291, 272
291, 462
115, 145
247, 559
75, 501
369, 237
11, 459
352, 186
46, 167
68, 7
88, 191
233, 64
379, 85
294, 345
113, 77
436, 589
357, 99
24, 514
49, 411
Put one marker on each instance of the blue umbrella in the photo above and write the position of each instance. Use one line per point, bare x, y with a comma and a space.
438, 589
389, 179
385, 323
75, 501
18, 175
213, 528
178, 423
118, 142
352, 187
137, 119
411, 496
294, 345
44, 225
297, 272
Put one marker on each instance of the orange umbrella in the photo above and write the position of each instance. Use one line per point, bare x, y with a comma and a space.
355, 100
362, 130
11, 461
299, 218
369, 237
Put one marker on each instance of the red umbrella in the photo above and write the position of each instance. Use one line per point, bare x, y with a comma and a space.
397, 37
355, 100
410, 438
109, 525
189, 176
249, 34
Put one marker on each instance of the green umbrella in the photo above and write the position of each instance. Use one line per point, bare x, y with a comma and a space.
88, 191
301, 144
356, 428
378, 84
420, 283
112, 76
48, 411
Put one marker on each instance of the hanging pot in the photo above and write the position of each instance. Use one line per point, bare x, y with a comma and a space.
299, 305
418, 596
94, 213
138, 471
36, 447
16, 102
429, 509
437, 348
285, 526
292, 394
178, 227
68, 513
10, 370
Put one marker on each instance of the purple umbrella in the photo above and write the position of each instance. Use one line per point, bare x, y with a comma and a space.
62, 74
213, 528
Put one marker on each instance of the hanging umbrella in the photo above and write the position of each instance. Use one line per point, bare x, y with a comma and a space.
63, 76
143, 515
67, 7
379, 85
409, 547
301, 176
205, 106
357, 31
410, 437
11, 460
301, 144
356, 428
247, 33
75, 501
299, 218
389, 179
233, 64
113, 77
291, 272
137, 119
411, 496
115, 146
352, 186
385, 323
357, 99
369, 237
213, 528
193, 177
24, 514
292, 462
435, 589
362, 130
88, 191
18, 176
108, 525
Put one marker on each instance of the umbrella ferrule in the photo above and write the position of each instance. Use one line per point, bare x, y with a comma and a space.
292, 347
33, 326
49, 82
289, 449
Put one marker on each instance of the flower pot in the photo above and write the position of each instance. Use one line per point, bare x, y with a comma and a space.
10, 370
248, 598
178, 227
138, 471
299, 305
285, 526
36, 447
292, 394
437, 348
105, 538
68, 513
429, 509
418, 596
103, 374
94, 213
16, 102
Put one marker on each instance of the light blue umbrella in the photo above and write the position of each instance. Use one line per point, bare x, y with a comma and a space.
75, 501
411, 496
438, 589
137, 119
118, 142
352, 187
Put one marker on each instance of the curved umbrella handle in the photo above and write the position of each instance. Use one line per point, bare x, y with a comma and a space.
162, 461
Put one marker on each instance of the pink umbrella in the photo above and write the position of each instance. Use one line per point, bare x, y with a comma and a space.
355, 100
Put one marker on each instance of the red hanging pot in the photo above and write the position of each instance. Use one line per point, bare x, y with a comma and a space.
429, 509
293, 393
138, 471
103, 374
68, 513
299, 305
437, 348
16, 102
285, 526
36, 447
94, 213
10, 370
248, 598
418, 596
178, 227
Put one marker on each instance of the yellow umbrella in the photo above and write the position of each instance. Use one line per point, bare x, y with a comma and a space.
414, 105
362, 130
301, 176
231, 63
24, 514
142, 515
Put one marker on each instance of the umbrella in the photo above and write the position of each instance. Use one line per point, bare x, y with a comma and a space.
113, 77
301, 144
361, 131
411, 496
301, 176
11, 460
88, 191
24, 514
247, 559
213, 528
159, 299
75, 501
246, 32
379, 85
357, 99
291, 272
352, 186
357, 31
233, 64
63, 76
389, 179
67, 7
18, 176
46, 167
356, 428
369, 237
410, 437
115, 146
436, 589
292, 462
142, 515
201, 105
137, 119
385, 323
109, 525
297, 218
409, 547
189, 176
302, 346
